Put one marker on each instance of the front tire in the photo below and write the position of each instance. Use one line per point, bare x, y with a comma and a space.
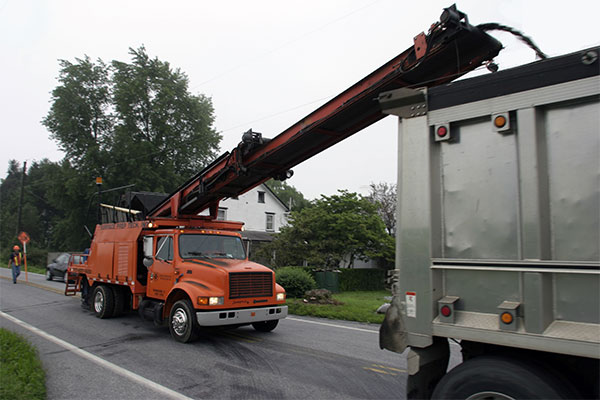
49, 275
182, 322
265, 326
502, 378
103, 302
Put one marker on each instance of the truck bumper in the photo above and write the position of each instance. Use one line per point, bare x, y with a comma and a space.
244, 316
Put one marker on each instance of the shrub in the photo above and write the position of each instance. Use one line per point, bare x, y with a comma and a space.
295, 281
362, 279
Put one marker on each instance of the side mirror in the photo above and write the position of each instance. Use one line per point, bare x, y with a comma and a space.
148, 247
148, 261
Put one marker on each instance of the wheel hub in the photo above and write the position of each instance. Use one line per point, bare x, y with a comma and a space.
98, 301
179, 322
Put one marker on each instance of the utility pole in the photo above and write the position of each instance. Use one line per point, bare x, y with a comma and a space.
99, 184
21, 197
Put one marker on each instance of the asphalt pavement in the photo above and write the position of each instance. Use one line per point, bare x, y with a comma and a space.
126, 357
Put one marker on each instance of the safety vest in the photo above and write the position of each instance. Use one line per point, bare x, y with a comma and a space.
16, 258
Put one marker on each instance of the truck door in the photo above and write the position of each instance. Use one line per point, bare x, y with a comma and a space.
160, 273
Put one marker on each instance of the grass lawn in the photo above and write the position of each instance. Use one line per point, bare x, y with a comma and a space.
30, 268
358, 306
21, 372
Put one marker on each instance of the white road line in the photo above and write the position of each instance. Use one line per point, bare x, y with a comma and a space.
346, 327
108, 365
332, 325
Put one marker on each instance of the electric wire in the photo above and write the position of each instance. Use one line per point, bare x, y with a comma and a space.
285, 44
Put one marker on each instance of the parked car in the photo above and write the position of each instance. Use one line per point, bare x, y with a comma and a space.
58, 267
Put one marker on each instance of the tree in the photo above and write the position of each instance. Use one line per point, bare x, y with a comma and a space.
383, 195
333, 228
290, 196
137, 117
163, 133
80, 118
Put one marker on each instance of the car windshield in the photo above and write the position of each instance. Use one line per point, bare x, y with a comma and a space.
211, 246
63, 258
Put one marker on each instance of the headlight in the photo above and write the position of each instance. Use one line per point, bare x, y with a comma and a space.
211, 301
280, 296
215, 301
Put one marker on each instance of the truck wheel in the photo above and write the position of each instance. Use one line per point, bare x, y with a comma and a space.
501, 378
265, 326
103, 302
49, 275
119, 296
182, 322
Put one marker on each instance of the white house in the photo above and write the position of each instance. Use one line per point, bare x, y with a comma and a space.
259, 209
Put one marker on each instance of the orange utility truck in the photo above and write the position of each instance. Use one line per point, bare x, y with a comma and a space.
188, 273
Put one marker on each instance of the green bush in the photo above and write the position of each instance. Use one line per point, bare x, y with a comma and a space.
295, 281
362, 279
21, 373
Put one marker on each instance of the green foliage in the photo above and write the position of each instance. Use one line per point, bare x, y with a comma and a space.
129, 122
288, 194
337, 228
295, 281
362, 279
21, 373
352, 306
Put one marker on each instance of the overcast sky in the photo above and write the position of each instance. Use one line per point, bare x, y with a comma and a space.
265, 64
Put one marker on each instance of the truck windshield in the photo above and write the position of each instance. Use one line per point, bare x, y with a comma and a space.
211, 246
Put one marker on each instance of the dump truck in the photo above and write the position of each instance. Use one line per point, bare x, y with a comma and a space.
498, 243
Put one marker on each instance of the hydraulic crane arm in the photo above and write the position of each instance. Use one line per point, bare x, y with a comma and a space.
451, 48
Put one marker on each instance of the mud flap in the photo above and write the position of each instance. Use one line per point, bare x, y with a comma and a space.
392, 335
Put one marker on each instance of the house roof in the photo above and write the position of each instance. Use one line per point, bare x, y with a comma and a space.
274, 195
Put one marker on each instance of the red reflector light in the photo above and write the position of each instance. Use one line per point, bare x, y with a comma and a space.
446, 311
442, 131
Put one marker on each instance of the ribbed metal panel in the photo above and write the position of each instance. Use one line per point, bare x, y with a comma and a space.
250, 284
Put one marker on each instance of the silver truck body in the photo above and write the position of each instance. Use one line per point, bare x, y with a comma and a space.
497, 221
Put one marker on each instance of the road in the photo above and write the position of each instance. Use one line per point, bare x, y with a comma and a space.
125, 357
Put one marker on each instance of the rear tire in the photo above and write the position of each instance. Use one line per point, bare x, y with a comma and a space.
182, 322
501, 378
265, 326
119, 296
103, 302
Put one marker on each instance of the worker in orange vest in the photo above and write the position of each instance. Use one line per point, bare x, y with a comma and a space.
15, 262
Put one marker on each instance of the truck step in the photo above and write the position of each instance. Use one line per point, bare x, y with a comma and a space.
73, 284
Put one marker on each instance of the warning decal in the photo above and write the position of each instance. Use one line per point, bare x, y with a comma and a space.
411, 304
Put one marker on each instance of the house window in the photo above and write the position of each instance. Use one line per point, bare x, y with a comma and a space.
222, 214
270, 222
261, 197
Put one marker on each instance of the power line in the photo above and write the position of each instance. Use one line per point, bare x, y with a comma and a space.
285, 44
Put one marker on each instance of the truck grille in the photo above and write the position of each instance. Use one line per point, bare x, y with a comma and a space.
250, 284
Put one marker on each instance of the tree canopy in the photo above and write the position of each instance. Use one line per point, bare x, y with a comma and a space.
288, 194
383, 195
344, 226
130, 122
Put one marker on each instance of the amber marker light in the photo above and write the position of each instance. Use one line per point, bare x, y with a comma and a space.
500, 121
506, 317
